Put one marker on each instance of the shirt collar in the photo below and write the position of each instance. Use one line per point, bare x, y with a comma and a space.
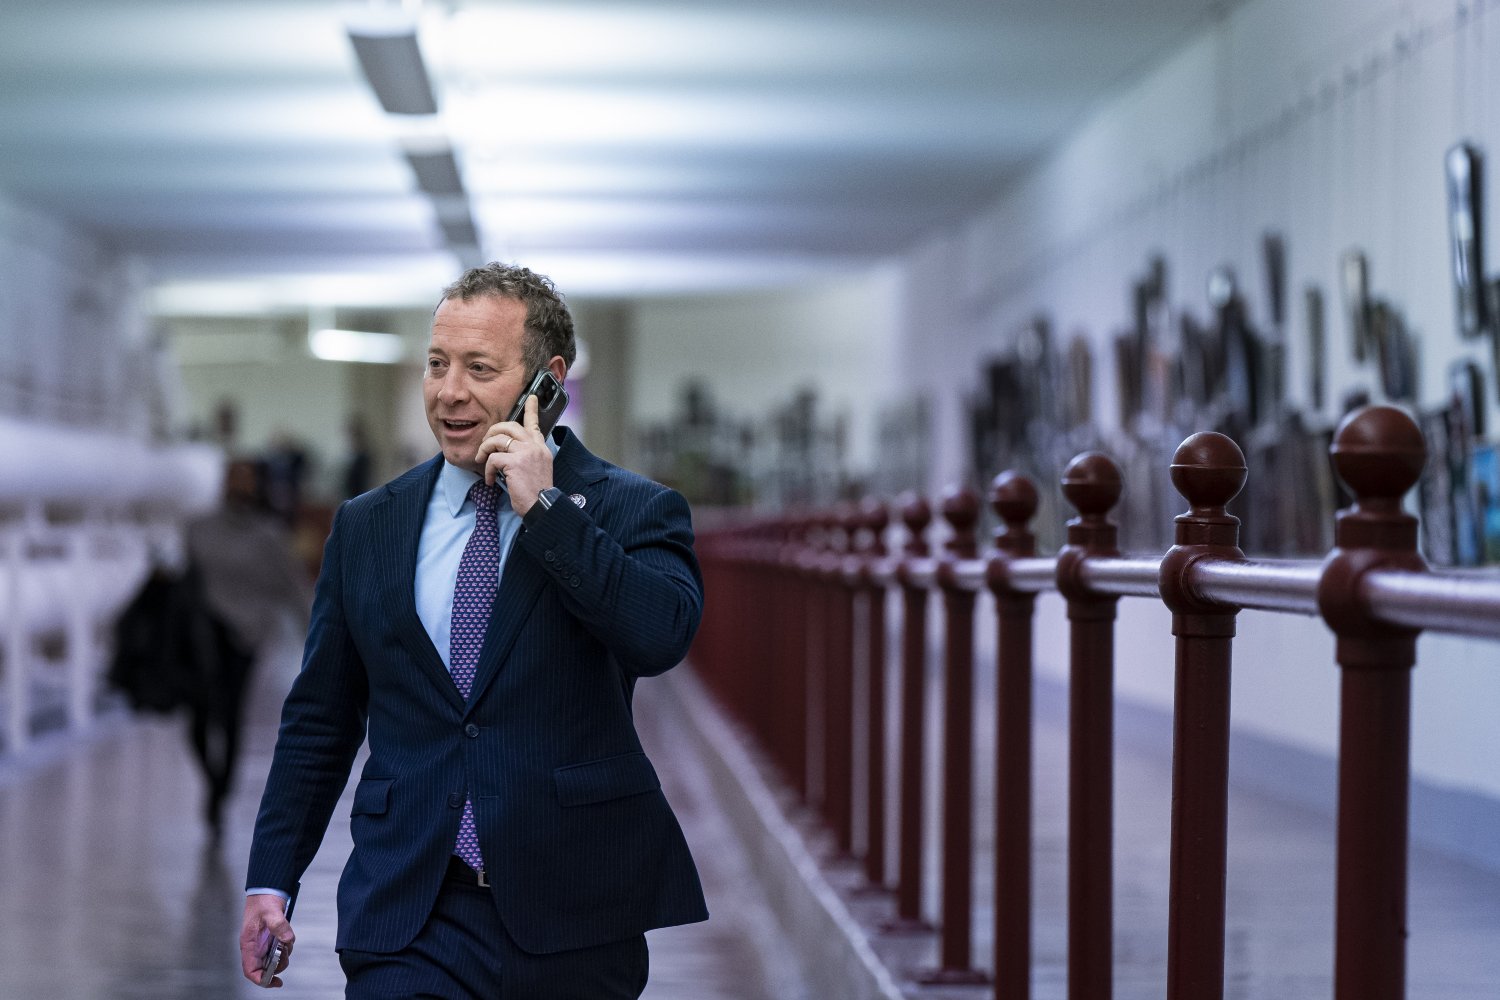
454, 482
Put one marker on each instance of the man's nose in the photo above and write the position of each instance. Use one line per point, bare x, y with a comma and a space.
454, 388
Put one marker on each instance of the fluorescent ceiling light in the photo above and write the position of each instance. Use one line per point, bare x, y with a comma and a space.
385, 40
356, 345
400, 282
459, 231
437, 172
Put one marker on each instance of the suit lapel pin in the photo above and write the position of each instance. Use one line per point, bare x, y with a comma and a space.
579, 499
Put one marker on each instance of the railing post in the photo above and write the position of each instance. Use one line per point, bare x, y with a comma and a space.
1378, 452
875, 519
794, 612
819, 630
1091, 484
1014, 498
838, 688
773, 549
736, 652
765, 661
767, 546
961, 511
916, 515
750, 694
1208, 470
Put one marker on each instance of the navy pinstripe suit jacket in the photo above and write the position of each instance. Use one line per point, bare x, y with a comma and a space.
580, 845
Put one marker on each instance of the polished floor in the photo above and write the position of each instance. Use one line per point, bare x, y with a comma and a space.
110, 888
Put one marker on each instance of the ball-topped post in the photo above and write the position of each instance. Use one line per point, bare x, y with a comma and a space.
1208, 470
837, 730
876, 516
1379, 453
961, 511
916, 515
1014, 500
1092, 484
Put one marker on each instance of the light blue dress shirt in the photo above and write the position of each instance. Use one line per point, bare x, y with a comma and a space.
446, 528
445, 532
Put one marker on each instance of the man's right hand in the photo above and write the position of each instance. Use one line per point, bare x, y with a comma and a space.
265, 914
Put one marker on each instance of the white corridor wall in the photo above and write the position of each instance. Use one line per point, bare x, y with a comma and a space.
1324, 120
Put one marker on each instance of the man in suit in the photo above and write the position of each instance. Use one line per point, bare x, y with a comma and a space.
510, 836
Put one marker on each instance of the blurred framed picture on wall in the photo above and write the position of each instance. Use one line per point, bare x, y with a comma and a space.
1435, 493
1484, 466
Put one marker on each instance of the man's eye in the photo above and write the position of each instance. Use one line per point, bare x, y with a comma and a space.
433, 364
479, 369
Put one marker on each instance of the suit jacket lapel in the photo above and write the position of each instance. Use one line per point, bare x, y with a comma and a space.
520, 585
397, 530
574, 469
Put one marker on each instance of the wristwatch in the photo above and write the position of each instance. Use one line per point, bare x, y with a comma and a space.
544, 502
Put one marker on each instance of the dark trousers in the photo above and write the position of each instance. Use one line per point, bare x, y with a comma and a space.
464, 953
216, 719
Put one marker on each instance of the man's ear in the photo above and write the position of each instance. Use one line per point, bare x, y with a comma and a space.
558, 367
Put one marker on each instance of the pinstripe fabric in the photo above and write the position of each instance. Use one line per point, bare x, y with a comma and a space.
581, 846
464, 951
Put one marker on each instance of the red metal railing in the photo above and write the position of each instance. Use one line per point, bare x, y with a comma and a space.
778, 647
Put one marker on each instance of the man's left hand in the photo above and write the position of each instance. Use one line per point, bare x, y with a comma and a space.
519, 453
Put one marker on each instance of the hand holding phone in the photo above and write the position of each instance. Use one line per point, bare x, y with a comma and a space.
551, 400
266, 938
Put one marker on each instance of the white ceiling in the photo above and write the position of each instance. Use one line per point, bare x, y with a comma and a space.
666, 146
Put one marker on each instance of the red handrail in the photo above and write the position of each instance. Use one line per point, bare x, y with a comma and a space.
1373, 590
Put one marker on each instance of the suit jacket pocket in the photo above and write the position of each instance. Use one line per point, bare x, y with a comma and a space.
372, 796
602, 780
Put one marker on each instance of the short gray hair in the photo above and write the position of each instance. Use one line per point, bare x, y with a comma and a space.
549, 325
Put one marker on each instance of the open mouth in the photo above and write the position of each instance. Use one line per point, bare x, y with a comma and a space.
459, 426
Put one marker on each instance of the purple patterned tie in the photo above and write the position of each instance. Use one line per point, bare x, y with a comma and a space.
473, 597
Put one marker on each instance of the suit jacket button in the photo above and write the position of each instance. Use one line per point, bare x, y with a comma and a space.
455, 800
471, 731
573, 582
549, 556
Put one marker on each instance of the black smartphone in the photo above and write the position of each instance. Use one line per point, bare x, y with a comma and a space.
551, 400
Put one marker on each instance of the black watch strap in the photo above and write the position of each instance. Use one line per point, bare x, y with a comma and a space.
544, 501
